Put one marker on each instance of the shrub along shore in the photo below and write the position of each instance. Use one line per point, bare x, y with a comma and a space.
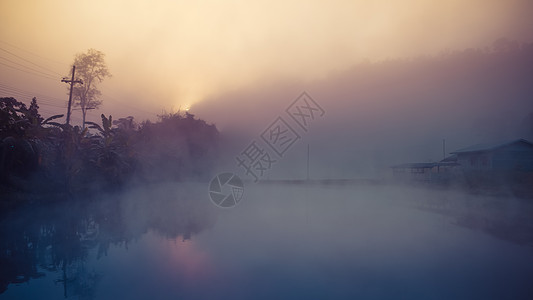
40, 157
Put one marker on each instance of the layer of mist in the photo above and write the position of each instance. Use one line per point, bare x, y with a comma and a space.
390, 112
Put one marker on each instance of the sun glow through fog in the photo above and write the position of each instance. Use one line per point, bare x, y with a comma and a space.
164, 50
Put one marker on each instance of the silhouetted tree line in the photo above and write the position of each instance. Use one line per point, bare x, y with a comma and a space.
39, 156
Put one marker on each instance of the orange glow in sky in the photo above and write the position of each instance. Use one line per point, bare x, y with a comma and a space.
170, 54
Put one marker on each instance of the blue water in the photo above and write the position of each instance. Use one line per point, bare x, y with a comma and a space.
280, 242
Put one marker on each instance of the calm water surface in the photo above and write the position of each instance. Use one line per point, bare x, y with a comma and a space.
280, 242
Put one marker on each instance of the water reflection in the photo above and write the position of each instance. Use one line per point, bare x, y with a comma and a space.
506, 218
281, 242
58, 238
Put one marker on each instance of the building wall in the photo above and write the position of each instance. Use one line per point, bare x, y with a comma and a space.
417, 174
515, 157
476, 161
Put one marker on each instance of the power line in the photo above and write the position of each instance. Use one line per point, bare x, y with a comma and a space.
34, 54
5, 86
48, 111
24, 66
15, 93
25, 71
34, 72
39, 66
10, 89
40, 102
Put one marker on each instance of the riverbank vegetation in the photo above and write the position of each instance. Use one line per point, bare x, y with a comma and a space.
40, 157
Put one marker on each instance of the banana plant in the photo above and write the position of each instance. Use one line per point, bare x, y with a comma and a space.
49, 120
105, 130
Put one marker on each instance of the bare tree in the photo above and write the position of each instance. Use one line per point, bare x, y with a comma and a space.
91, 69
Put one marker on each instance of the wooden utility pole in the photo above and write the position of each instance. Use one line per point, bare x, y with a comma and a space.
443, 148
71, 82
307, 161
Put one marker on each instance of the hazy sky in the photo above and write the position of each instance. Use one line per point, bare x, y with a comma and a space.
171, 54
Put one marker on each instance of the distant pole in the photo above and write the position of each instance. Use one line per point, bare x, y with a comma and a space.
443, 148
71, 82
307, 161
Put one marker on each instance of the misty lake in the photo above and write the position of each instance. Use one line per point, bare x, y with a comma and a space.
281, 242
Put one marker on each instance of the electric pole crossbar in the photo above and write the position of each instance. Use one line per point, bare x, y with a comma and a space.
71, 82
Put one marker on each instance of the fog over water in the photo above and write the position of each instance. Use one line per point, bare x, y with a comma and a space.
155, 198
282, 241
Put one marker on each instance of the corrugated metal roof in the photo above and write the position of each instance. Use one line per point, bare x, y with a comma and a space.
450, 159
490, 146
